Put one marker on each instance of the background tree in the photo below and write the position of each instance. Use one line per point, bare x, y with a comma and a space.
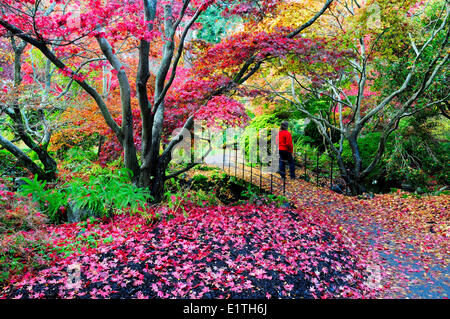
375, 33
111, 23
28, 119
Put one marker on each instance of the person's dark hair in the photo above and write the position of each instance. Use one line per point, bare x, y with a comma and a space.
284, 125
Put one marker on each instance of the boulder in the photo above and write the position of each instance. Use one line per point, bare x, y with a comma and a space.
420, 190
18, 182
75, 215
338, 188
408, 187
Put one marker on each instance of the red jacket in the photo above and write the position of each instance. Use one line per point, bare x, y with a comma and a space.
285, 141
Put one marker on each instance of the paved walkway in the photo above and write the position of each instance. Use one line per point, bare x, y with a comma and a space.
394, 263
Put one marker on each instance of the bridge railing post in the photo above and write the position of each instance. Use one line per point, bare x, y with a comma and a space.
271, 183
235, 159
317, 169
305, 164
331, 173
260, 175
223, 157
229, 161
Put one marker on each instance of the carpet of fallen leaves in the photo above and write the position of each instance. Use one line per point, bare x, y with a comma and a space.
325, 245
406, 235
242, 251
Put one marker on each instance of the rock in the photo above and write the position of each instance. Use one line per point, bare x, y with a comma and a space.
18, 182
420, 190
338, 189
75, 215
408, 187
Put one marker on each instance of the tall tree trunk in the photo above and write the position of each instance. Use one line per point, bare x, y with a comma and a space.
159, 178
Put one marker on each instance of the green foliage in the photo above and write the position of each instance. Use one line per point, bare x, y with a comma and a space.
250, 192
178, 200
206, 168
414, 156
215, 26
199, 179
251, 132
77, 158
255, 197
104, 194
368, 145
418, 157
49, 200
265, 121
108, 194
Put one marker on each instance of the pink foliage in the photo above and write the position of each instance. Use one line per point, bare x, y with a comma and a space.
215, 251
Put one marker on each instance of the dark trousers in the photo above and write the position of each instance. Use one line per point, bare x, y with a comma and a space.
286, 157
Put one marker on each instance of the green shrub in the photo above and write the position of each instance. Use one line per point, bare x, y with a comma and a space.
411, 157
50, 200
257, 198
108, 194
78, 158
105, 194
200, 179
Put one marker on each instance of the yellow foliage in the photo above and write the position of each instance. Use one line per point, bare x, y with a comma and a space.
294, 13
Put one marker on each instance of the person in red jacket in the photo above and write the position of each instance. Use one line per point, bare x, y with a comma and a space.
285, 148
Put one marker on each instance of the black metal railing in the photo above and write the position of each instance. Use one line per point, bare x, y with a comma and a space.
238, 167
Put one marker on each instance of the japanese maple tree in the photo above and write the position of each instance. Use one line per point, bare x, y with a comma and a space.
76, 35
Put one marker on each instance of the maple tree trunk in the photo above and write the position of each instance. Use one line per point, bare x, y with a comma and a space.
354, 182
354, 175
158, 178
47, 174
153, 177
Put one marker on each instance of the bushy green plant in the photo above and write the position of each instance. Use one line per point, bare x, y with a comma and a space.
78, 158
206, 168
412, 156
50, 200
418, 160
199, 179
266, 121
201, 198
107, 194
301, 149
103, 195
258, 198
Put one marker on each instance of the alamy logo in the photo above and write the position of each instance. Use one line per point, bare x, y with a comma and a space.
74, 276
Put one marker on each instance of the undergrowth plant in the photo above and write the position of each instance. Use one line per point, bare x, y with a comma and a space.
21, 252
103, 195
23, 241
